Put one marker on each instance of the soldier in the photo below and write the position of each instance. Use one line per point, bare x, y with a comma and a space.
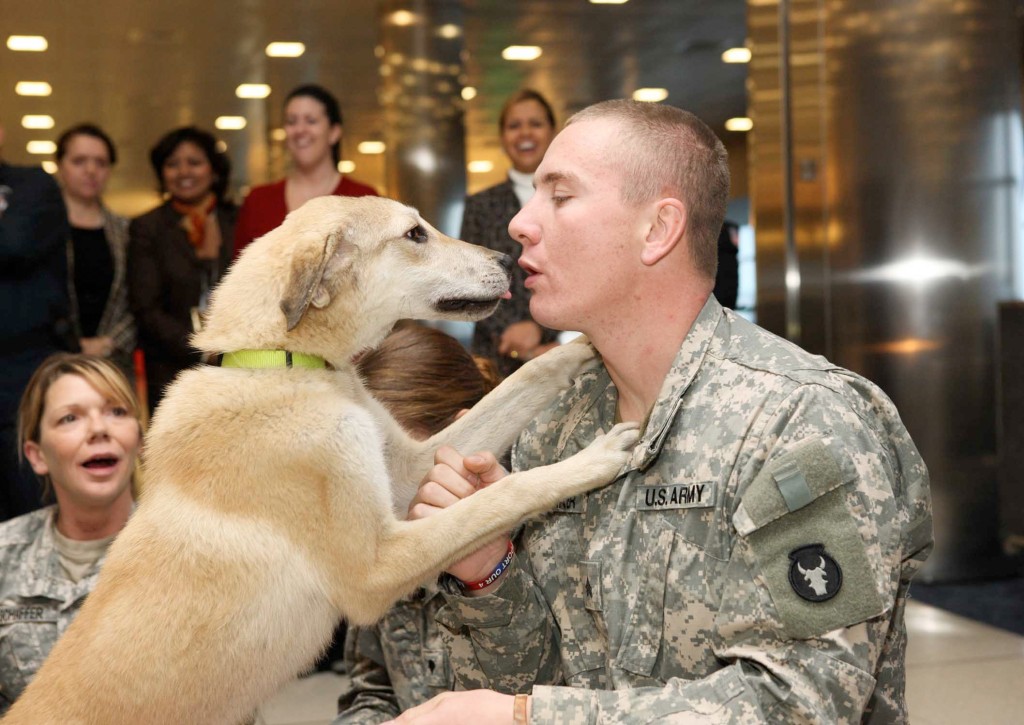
78, 425
751, 562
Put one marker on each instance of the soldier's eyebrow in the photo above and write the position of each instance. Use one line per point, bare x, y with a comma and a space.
553, 177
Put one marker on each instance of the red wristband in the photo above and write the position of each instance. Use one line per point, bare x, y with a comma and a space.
502, 566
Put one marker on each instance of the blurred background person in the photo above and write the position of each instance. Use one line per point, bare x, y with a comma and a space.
426, 379
179, 251
727, 278
36, 319
510, 336
79, 428
313, 131
98, 247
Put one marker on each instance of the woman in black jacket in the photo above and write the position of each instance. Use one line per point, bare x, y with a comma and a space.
179, 251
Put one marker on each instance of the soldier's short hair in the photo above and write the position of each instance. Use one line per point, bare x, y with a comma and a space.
666, 151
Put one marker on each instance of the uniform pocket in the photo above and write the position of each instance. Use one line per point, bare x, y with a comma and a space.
798, 524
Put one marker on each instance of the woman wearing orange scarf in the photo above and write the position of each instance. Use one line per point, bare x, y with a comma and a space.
178, 251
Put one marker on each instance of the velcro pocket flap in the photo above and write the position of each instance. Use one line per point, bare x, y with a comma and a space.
795, 479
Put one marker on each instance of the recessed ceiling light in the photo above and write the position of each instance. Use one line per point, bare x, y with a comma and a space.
521, 52
34, 43
736, 55
739, 124
230, 123
37, 121
50, 167
253, 90
222, 145
346, 166
371, 147
650, 95
449, 31
468, 93
33, 88
403, 17
40, 147
285, 50
278, 134
480, 167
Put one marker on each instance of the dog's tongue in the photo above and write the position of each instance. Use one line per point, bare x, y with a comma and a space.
507, 295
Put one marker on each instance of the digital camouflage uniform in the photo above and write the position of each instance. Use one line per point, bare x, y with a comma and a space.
396, 664
37, 600
751, 565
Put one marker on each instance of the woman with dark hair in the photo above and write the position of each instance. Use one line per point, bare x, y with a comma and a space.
527, 126
178, 252
426, 379
312, 126
98, 247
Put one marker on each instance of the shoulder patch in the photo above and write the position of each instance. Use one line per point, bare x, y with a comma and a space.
814, 574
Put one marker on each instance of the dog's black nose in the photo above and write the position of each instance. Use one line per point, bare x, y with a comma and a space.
506, 262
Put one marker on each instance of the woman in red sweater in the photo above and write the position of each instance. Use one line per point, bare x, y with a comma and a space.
312, 124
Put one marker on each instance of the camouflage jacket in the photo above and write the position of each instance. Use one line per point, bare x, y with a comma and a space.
37, 600
751, 564
398, 663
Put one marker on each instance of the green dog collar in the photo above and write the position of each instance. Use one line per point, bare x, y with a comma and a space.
272, 359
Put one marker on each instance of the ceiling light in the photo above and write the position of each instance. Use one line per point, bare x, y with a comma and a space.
230, 123
371, 147
736, 55
739, 124
33, 88
278, 134
50, 167
521, 52
34, 43
346, 166
449, 31
40, 147
480, 167
37, 121
222, 146
285, 50
468, 93
650, 95
403, 17
253, 90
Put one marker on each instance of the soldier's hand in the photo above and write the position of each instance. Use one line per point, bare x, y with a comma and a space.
452, 478
470, 707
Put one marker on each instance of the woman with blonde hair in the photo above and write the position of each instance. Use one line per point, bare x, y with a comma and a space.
79, 427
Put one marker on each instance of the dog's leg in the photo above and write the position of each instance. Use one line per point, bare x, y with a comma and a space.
496, 421
411, 551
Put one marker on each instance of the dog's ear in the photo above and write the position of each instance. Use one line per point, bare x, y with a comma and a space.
310, 273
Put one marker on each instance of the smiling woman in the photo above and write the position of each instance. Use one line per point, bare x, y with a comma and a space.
312, 128
179, 251
78, 426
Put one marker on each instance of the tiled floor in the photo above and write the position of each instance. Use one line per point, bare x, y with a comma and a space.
958, 672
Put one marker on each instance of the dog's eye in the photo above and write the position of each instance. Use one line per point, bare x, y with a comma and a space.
417, 234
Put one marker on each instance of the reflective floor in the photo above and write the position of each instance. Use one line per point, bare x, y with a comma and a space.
958, 671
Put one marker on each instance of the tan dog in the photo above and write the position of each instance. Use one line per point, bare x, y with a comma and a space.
272, 493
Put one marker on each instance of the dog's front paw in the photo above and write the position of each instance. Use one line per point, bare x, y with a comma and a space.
608, 454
